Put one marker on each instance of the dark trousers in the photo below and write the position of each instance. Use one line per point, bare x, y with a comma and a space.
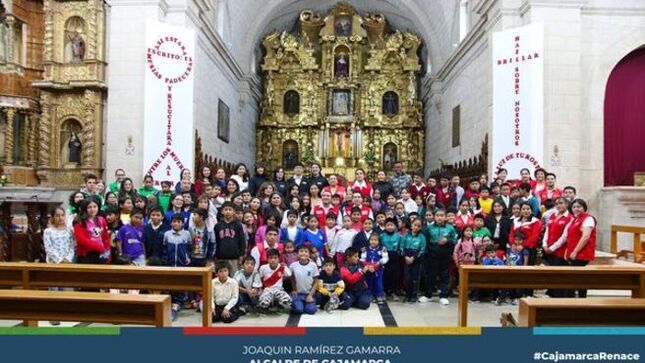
412, 273
357, 299
532, 257
554, 260
391, 273
581, 292
217, 315
437, 265
91, 258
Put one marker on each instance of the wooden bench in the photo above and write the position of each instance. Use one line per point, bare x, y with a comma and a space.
93, 307
637, 242
547, 277
41, 275
589, 312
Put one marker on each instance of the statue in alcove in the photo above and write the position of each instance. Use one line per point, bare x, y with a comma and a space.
340, 103
341, 66
290, 156
75, 149
291, 103
76, 46
390, 104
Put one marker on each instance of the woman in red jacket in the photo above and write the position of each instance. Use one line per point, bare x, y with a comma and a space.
531, 227
360, 184
554, 242
581, 239
92, 237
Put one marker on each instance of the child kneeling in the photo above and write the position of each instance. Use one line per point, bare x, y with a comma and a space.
225, 296
272, 274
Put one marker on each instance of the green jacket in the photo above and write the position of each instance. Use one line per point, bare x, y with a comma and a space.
392, 242
413, 245
435, 232
146, 192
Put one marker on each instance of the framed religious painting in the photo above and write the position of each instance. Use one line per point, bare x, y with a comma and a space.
223, 121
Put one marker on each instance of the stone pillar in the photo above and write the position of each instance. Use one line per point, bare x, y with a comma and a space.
44, 130
8, 142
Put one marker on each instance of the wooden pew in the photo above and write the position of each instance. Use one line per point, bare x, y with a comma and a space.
93, 307
547, 277
589, 312
41, 275
637, 242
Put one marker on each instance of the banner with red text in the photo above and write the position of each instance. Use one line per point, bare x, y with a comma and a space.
518, 99
168, 110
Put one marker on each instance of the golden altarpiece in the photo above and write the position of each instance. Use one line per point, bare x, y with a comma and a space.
71, 92
341, 91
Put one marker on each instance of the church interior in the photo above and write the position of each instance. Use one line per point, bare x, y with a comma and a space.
348, 86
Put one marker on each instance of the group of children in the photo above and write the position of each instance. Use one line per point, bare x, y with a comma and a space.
324, 249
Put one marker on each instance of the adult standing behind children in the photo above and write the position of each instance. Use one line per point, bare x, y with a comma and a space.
230, 245
581, 239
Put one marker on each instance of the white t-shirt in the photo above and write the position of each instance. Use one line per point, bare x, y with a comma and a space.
305, 275
589, 222
266, 271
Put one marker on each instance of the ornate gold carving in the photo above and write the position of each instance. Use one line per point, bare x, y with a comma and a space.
88, 130
341, 75
8, 142
45, 129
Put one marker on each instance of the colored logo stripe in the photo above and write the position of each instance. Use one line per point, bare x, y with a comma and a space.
245, 331
61, 331
590, 331
423, 331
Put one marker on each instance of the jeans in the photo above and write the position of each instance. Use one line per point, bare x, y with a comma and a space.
357, 299
301, 306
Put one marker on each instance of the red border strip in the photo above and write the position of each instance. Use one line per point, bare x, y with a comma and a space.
245, 331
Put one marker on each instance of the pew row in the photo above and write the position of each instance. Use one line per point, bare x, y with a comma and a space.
91, 307
582, 312
41, 275
547, 277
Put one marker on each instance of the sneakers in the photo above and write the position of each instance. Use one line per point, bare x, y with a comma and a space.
444, 301
174, 312
380, 300
424, 299
514, 302
499, 301
395, 297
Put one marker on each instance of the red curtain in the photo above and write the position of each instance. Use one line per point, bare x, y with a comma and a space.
625, 120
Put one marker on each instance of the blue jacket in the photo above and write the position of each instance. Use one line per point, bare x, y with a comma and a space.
176, 248
361, 241
284, 236
153, 240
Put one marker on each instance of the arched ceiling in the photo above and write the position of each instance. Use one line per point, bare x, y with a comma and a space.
432, 20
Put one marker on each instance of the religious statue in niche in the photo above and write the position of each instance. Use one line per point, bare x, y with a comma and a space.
389, 156
75, 149
75, 47
340, 103
290, 154
341, 66
343, 26
291, 103
390, 103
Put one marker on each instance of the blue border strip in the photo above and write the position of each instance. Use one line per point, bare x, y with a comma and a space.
590, 331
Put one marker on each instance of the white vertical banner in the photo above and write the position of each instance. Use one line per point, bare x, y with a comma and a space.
518, 99
168, 141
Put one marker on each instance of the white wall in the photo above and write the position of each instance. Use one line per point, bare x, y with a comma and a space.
217, 75
583, 42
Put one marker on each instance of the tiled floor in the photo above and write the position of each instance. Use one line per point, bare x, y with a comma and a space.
419, 314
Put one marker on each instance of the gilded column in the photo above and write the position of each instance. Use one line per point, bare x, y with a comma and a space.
44, 130
33, 130
8, 142
88, 131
